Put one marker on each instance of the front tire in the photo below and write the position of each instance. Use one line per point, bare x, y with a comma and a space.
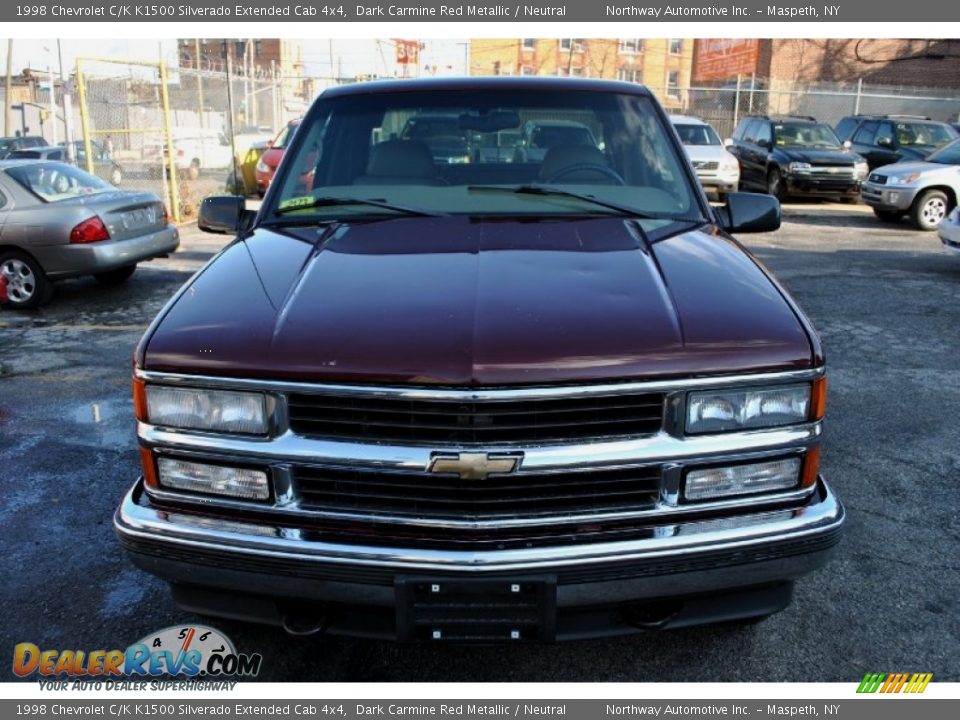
929, 209
27, 285
775, 185
115, 277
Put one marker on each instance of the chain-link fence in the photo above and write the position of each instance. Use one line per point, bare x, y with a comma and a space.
723, 106
146, 126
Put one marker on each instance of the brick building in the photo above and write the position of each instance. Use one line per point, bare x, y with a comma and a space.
781, 61
662, 64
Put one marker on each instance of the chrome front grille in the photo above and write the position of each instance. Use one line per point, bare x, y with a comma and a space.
832, 171
435, 422
421, 494
705, 165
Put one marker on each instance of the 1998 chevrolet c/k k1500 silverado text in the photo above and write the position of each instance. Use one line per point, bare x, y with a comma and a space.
474, 400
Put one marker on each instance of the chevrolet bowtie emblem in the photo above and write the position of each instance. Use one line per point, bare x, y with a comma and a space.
474, 466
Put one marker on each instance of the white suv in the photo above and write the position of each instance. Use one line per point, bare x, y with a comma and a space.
716, 168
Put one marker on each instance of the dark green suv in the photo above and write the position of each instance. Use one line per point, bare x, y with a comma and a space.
886, 139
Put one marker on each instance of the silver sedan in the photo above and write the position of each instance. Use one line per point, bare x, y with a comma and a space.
58, 222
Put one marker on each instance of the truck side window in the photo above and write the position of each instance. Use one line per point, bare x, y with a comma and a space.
866, 133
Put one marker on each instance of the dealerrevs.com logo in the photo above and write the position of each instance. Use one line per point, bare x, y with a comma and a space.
192, 651
894, 683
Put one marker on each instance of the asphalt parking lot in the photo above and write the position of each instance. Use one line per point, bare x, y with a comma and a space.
884, 299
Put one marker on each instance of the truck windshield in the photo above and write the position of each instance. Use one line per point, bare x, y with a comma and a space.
805, 135
431, 149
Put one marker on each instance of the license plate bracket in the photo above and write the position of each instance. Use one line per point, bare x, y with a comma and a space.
436, 609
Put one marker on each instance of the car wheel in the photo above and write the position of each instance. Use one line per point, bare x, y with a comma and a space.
890, 216
27, 285
116, 177
775, 185
115, 277
929, 209
193, 172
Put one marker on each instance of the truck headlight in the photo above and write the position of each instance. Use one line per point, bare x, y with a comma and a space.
798, 167
714, 411
244, 483
747, 479
729, 163
861, 169
213, 410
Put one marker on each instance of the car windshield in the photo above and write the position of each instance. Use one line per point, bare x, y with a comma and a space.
928, 134
697, 134
805, 135
52, 182
947, 155
395, 148
283, 138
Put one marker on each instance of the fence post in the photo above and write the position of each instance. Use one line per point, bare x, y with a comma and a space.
196, 55
856, 102
273, 96
736, 103
171, 150
84, 116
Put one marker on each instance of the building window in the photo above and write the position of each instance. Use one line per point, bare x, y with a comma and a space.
258, 48
571, 44
527, 70
529, 43
673, 84
676, 46
631, 45
629, 75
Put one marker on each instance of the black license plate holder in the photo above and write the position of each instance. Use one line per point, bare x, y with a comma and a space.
437, 609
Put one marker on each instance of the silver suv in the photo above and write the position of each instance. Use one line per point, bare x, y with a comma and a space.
925, 190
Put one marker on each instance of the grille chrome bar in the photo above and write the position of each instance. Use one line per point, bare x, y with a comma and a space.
444, 422
510, 495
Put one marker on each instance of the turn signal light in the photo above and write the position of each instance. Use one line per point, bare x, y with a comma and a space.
811, 466
90, 230
818, 399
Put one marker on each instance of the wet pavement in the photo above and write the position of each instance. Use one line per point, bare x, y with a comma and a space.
884, 300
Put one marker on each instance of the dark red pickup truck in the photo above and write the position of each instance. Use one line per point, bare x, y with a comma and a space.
482, 399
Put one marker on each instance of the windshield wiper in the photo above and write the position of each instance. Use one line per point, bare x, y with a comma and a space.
339, 201
547, 191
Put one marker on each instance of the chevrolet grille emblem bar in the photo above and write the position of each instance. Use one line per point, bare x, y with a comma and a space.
474, 466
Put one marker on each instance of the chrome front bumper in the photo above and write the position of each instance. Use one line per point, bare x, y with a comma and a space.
665, 558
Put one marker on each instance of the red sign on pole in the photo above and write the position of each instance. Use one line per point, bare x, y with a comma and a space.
408, 52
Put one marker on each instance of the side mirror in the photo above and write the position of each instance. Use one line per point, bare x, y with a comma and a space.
765, 144
728, 142
885, 142
223, 214
750, 213
269, 143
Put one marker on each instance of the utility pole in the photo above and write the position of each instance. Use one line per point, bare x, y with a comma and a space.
8, 97
196, 52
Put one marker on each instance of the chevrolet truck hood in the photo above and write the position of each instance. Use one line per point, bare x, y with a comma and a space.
456, 301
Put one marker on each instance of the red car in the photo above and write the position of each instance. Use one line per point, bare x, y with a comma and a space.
3, 289
268, 162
